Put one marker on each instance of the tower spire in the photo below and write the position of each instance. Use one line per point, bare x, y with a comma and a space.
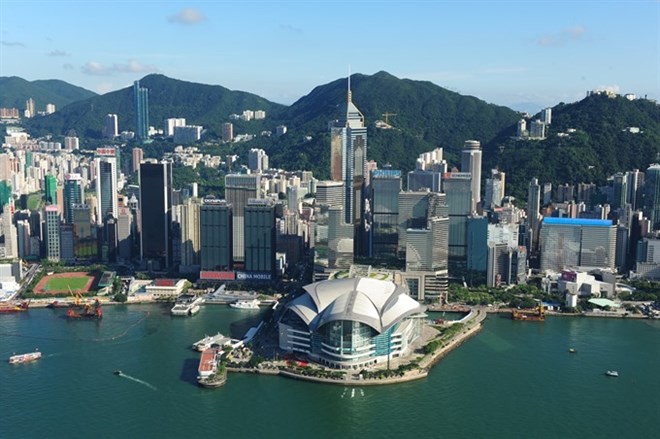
349, 95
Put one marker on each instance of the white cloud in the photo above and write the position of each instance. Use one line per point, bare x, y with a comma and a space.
564, 36
12, 43
134, 66
187, 16
58, 53
95, 68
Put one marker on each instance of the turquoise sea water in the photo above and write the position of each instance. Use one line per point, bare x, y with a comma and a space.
514, 379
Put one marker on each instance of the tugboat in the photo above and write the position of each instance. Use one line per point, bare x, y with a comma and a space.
75, 312
14, 307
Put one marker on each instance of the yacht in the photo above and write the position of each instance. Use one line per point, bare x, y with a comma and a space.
612, 373
186, 305
246, 304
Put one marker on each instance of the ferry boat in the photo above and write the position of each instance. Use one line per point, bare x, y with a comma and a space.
246, 304
25, 358
186, 305
535, 315
208, 341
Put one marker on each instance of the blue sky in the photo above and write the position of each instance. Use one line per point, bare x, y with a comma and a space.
523, 54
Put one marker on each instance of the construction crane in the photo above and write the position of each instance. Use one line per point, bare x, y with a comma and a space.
387, 115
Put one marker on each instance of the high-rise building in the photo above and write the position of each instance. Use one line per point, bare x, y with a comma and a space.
238, 190
5, 193
227, 132
652, 195
458, 187
568, 242
620, 191
495, 187
73, 194
156, 214
187, 134
384, 210
85, 234
533, 215
111, 126
141, 99
260, 243
257, 160
9, 232
190, 233
71, 143
23, 238
106, 184
125, 234
50, 189
172, 123
138, 156
348, 153
29, 108
215, 234
471, 162
52, 214
547, 194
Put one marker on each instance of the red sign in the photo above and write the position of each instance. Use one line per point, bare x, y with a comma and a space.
110, 152
217, 275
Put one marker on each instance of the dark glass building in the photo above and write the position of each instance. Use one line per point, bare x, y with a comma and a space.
215, 233
156, 214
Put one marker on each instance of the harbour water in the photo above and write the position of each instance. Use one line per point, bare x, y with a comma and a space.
514, 379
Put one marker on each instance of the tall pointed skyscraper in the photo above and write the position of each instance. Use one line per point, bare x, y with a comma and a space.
348, 152
141, 98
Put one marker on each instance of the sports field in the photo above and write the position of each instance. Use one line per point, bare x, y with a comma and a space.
60, 283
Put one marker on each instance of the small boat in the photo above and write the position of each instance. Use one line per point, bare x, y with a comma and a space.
572, 350
117, 372
14, 307
58, 304
25, 358
246, 304
612, 373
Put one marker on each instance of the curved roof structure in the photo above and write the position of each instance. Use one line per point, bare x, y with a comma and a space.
376, 303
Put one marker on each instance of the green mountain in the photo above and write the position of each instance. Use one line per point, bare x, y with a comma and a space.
426, 116
15, 91
588, 141
206, 105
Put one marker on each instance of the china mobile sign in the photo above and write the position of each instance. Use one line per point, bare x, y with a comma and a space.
106, 152
253, 276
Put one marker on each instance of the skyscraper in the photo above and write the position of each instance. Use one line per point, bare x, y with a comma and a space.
73, 194
156, 213
533, 215
471, 162
52, 233
348, 152
190, 233
215, 233
138, 156
458, 187
495, 187
257, 160
50, 189
106, 184
260, 242
141, 99
238, 190
385, 188
111, 126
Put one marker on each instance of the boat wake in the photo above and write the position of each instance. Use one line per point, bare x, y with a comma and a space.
352, 393
137, 380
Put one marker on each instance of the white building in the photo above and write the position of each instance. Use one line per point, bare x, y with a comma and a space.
172, 123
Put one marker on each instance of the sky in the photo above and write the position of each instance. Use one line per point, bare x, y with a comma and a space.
523, 54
